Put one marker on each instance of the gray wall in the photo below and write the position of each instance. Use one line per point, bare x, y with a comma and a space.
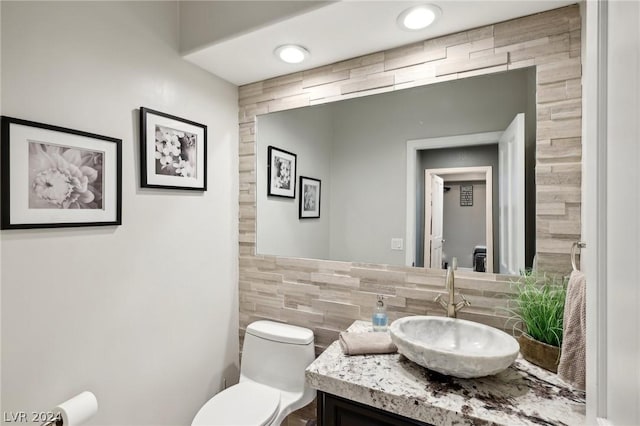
308, 134
482, 155
145, 314
463, 226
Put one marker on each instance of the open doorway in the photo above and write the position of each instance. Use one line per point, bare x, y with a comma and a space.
458, 217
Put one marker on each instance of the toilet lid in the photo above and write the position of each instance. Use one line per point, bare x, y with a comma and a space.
244, 404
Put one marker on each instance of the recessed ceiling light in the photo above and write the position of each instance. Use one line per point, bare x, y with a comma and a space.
291, 53
418, 17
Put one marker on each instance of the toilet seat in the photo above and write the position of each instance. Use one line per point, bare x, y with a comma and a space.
245, 404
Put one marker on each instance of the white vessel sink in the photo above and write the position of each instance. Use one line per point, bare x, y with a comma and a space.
453, 346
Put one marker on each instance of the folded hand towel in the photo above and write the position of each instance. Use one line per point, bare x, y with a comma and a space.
378, 342
572, 366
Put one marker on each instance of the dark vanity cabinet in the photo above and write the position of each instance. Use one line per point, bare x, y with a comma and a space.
336, 411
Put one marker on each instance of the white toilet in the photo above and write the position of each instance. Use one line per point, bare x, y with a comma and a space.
272, 384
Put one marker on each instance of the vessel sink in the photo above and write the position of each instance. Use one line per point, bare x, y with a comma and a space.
453, 346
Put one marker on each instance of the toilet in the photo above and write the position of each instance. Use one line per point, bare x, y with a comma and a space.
272, 383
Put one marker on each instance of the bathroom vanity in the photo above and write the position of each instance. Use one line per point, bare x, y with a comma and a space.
390, 389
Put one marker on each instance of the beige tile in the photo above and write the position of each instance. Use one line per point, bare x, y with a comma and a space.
461, 65
417, 58
565, 227
555, 193
249, 90
554, 44
560, 151
534, 26
312, 79
336, 308
464, 50
551, 209
374, 82
300, 317
558, 129
278, 82
559, 71
358, 62
289, 102
366, 70
342, 280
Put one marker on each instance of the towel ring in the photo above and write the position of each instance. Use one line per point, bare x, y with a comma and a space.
580, 245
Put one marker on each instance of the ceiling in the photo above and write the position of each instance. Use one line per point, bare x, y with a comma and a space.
335, 31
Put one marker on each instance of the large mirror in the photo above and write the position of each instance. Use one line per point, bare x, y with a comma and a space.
458, 156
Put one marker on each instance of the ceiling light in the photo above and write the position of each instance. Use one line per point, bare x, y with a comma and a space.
291, 53
418, 17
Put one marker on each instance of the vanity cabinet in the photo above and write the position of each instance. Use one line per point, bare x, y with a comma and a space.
336, 411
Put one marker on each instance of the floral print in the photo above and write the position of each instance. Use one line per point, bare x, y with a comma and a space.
64, 178
175, 152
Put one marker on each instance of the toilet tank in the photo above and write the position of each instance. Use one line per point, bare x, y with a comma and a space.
276, 355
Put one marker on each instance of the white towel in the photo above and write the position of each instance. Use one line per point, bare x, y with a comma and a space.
572, 366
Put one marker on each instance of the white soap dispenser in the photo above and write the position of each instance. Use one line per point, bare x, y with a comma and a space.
380, 319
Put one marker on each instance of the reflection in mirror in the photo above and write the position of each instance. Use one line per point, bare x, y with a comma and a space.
373, 184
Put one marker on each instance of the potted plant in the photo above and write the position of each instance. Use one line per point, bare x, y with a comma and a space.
539, 310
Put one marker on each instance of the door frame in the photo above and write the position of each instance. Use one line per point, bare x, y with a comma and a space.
476, 173
415, 145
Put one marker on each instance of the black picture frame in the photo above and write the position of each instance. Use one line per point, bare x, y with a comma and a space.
281, 173
310, 197
55, 177
173, 152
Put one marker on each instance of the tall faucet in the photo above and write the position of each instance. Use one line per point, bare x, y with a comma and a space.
451, 307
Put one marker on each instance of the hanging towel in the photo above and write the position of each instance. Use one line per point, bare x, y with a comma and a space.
378, 342
572, 366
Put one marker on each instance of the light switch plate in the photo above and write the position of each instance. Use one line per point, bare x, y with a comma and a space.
397, 244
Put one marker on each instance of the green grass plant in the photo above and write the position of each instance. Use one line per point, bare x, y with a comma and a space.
540, 306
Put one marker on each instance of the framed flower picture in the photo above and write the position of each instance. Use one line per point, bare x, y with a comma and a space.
309, 198
173, 152
56, 177
281, 173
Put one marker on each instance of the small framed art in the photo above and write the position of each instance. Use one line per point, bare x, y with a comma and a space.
309, 198
173, 152
466, 195
281, 173
56, 177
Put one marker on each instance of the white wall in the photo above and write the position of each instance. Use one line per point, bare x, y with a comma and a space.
623, 214
308, 134
145, 314
611, 226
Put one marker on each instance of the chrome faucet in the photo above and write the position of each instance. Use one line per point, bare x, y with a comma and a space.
451, 307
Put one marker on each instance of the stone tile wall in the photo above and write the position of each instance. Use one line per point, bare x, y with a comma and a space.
327, 296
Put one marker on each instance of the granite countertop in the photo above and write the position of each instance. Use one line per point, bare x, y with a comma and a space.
521, 395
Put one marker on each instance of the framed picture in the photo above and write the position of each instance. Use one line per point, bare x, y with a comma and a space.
173, 152
309, 198
281, 173
54, 177
466, 195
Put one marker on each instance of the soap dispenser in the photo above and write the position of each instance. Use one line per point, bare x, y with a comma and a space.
380, 319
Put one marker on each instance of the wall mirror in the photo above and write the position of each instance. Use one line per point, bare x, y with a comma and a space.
383, 158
